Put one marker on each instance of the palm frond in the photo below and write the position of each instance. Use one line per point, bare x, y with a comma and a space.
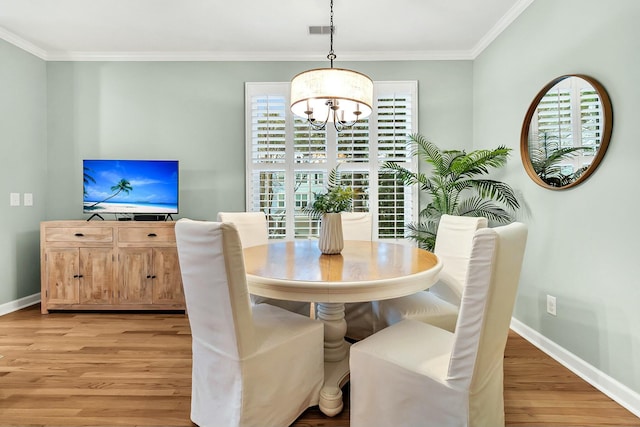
406, 176
479, 207
480, 161
424, 233
496, 190
449, 158
461, 184
429, 152
333, 180
429, 211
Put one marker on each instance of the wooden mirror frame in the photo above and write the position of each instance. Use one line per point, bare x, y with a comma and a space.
604, 143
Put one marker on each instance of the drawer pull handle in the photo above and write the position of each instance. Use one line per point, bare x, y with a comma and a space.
79, 235
77, 276
148, 276
152, 235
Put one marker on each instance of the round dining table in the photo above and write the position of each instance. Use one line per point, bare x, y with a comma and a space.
363, 271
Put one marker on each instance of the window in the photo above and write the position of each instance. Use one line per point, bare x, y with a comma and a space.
287, 161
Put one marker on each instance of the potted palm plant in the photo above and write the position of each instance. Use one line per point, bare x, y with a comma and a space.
457, 186
327, 207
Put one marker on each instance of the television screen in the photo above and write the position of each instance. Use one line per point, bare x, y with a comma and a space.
130, 186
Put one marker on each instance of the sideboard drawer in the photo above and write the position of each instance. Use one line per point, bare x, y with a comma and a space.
147, 234
79, 234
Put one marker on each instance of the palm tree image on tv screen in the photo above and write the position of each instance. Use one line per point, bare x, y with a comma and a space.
130, 186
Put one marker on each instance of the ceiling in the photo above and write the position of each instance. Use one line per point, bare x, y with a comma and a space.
253, 29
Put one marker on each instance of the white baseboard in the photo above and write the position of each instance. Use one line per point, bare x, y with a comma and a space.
617, 391
19, 304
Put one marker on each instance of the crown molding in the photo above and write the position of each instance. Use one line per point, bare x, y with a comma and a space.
255, 56
9, 37
500, 26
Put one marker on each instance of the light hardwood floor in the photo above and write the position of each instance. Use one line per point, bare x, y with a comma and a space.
134, 369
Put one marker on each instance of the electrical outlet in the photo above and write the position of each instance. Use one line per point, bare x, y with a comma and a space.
551, 305
28, 199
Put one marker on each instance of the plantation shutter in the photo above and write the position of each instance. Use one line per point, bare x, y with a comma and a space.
395, 117
266, 189
310, 155
287, 162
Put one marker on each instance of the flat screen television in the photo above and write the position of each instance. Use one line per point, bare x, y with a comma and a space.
130, 187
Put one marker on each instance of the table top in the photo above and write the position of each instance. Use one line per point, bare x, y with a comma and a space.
364, 271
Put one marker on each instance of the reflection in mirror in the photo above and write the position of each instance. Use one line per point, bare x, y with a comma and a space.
566, 131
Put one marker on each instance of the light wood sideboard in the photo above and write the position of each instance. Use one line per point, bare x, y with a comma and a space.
109, 265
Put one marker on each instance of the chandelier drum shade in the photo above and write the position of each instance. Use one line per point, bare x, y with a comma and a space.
331, 95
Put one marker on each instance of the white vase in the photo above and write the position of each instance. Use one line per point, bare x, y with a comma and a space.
331, 241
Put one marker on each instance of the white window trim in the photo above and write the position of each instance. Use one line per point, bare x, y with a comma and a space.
289, 168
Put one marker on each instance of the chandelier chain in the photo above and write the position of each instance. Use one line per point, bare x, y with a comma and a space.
331, 56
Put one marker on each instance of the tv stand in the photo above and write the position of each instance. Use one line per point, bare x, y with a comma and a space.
95, 214
168, 217
110, 265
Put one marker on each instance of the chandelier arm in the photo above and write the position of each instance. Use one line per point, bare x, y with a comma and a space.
316, 125
340, 125
337, 123
319, 125
326, 119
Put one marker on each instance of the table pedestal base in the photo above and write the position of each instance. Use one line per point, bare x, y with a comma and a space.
336, 357
336, 375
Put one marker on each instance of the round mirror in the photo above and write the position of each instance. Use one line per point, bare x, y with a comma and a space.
566, 132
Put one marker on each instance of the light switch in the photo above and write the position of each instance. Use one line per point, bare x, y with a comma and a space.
14, 199
27, 199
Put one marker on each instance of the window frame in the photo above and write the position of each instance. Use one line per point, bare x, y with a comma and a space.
371, 168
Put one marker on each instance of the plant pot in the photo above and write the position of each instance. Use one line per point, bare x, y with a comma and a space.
331, 241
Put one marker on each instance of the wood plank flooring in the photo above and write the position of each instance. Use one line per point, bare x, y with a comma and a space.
134, 369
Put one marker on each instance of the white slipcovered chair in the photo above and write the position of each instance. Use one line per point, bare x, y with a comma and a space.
439, 305
254, 231
416, 374
252, 226
359, 315
253, 365
356, 226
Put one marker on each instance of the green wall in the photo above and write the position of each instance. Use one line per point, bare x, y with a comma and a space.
582, 245
23, 169
58, 113
194, 112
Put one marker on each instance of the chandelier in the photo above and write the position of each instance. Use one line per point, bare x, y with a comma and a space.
335, 95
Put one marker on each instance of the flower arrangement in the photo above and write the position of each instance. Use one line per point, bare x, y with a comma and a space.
327, 207
338, 198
